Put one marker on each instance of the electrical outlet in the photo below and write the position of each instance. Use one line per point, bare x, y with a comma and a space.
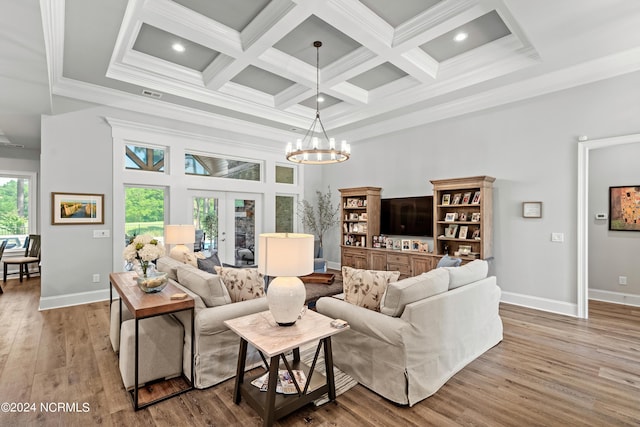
96, 278
622, 280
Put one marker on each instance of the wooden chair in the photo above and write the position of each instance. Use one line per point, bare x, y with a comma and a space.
31, 255
2, 246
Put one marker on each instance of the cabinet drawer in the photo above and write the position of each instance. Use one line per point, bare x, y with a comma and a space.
404, 269
397, 259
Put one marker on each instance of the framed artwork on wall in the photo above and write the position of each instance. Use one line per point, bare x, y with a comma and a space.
532, 209
624, 208
77, 208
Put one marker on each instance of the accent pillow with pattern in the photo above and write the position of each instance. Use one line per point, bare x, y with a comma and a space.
242, 283
365, 288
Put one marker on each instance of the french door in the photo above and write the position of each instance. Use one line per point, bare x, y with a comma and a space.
230, 222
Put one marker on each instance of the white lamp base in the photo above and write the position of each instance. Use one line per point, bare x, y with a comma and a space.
178, 251
286, 296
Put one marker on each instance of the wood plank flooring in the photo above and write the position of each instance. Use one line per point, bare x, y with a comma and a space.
550, 370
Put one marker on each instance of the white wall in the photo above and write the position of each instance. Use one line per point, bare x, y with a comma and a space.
612, 253
530, 148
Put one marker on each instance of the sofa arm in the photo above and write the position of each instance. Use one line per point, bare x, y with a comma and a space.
210, 321
371, 323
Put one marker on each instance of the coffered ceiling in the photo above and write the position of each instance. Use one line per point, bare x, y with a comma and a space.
249, 65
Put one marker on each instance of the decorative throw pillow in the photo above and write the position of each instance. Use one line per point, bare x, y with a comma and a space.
447, 261
413, 289
209, 264
208, 286
242, 283
472, 272
365, 288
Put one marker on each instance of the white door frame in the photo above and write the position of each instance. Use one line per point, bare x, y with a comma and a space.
584, 147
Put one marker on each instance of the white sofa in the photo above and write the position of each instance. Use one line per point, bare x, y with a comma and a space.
429, 327
216, 347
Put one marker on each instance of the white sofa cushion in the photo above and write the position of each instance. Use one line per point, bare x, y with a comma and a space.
365, 288
472, 272
169, 265
208, 286
413, 289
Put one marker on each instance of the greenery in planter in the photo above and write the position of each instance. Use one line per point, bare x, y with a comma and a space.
320, 217
210, 227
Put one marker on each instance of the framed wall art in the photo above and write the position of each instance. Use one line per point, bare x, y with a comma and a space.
77, 208
624, 208
532, 209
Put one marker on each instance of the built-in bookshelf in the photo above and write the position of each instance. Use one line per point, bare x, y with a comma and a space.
360, 215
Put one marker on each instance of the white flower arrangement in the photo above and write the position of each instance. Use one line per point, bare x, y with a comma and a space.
145, 248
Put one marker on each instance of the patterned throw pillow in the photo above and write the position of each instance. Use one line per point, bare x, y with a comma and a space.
365, 288
242, 283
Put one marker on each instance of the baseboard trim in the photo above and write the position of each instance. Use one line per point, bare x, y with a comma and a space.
614, 297
544, 304
68, 300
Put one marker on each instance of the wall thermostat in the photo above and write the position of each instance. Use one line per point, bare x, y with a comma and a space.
601, 216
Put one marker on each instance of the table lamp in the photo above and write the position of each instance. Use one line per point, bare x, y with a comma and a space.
179, 235
285, 256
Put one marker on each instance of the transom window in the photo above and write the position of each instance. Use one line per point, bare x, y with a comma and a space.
198, 164
144, 158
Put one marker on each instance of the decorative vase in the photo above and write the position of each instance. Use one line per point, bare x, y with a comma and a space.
154, 281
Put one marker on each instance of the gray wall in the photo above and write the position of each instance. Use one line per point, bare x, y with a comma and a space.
530, 148
612, 253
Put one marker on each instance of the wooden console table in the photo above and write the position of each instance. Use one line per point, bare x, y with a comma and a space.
142, 306
273, 341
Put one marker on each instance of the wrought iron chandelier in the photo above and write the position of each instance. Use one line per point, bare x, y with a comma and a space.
314, 150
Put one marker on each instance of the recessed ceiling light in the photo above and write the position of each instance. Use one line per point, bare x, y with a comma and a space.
178, 47
460, 37
320, 99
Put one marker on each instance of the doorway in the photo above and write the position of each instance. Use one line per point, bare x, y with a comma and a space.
230, 223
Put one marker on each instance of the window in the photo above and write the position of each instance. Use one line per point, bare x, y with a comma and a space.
285, 174
197, 164
144, 212
285, 214
144, 158
17, 208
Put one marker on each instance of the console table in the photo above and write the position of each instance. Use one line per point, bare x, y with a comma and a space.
143, 305
273, 341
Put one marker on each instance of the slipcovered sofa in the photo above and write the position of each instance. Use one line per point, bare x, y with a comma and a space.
216, 347
428, 328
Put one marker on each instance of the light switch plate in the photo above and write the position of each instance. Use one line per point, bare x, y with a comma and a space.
99, 234
557, 237
601, 216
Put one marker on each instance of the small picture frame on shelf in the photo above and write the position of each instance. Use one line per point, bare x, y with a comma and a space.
462, 216
446, 198
406, 244
476, 198
415, 245
476, 234
353, 216
397, 244
466, 198
363, 216
456, 199
423, 246
451, 216
352, 203
463, 232
388, 243
475, 217
451, 230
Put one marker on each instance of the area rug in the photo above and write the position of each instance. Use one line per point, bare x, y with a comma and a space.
343, 381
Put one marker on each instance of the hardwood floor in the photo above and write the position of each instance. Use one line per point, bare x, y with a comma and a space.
549, 370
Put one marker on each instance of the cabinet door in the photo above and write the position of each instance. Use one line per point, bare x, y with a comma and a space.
377, 260
356, 258
421, 265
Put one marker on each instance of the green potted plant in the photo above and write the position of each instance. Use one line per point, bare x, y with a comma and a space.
210, 227
319, 217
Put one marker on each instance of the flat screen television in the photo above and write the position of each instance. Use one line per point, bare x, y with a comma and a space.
407, 216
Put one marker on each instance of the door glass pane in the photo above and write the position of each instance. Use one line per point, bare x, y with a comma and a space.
205, 218
14, 211
284, 214
144, 212
245, 230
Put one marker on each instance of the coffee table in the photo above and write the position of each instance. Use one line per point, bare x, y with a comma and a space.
274, 342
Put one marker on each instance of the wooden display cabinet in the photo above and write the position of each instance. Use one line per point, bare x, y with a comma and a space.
463, 216
359, 222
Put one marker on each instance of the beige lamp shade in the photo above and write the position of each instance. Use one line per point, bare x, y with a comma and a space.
285, 254
179, 234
